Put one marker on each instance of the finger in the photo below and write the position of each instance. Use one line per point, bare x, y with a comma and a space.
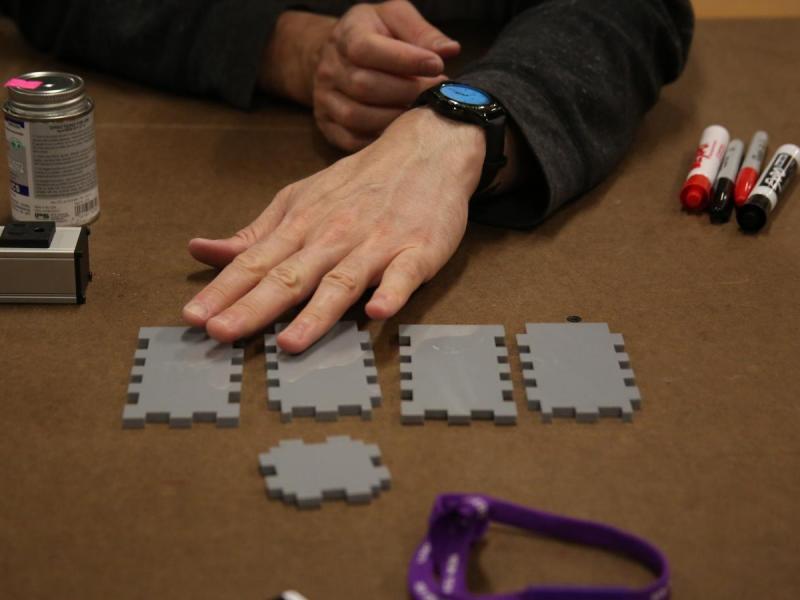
382, 89
284, 286
343, 138
240, 276
355, 116
402, 277
406, 23
218, 253
339, 289
375, 51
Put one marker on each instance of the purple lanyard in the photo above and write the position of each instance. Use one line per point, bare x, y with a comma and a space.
438, 568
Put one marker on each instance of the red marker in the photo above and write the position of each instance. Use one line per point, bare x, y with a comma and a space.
751, 167
707, 160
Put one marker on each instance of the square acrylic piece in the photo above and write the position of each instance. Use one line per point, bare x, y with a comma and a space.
336, 376
455, 372
179, 375
577, 370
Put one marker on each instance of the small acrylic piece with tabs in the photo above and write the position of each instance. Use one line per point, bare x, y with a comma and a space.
577, 370
181, 375
340, 467
336, 376
455, 372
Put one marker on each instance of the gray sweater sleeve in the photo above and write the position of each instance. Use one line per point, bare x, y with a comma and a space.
576, 76
205, 47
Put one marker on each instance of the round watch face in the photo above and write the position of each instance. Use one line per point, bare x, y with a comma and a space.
465, 94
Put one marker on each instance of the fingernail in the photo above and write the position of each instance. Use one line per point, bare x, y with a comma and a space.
431, 66
225, 319
196, 310
382, 297
439, 44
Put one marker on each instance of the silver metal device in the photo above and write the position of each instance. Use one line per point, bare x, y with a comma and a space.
42, 263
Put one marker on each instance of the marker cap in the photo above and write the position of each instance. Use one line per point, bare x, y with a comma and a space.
753, 215
694, 194
745, 183
721, 205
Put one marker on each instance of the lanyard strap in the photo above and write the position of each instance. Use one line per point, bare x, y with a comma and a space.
438, 568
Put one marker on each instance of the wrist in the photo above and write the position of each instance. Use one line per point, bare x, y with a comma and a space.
457, 148
292, 53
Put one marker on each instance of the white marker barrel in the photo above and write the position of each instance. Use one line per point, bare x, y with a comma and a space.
752, 215
707, 160
732, 160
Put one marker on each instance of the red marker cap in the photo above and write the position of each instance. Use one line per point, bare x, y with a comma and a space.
745, 183
695, 192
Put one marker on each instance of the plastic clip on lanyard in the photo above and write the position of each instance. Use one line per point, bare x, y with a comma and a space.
438, 568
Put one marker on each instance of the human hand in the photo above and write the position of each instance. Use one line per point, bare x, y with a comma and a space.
377, 59
392, 214
291, 57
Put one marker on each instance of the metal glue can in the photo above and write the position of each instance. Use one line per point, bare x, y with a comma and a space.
49, 122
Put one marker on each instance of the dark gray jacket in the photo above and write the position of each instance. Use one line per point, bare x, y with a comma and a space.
576, 76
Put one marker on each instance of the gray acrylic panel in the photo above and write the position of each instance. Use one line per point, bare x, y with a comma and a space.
577, 369
305, 474
457, 372
179, 375
336, 376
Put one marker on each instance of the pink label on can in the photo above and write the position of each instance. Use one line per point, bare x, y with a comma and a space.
24, 84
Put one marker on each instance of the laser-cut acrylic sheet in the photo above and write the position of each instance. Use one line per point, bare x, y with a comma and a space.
455, 372
340, 467
180, 374
336, 376
577, 370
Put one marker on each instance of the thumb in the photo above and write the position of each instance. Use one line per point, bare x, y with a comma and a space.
406, 24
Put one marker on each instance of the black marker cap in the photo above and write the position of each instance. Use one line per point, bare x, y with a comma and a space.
721, 206
753, 215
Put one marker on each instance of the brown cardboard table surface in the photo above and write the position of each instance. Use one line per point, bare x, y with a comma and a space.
709, 470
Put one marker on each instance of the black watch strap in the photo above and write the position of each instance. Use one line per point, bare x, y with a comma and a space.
495, 156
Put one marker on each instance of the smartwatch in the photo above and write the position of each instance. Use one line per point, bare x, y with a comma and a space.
466, 103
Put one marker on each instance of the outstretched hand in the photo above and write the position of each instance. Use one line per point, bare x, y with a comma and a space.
390, 215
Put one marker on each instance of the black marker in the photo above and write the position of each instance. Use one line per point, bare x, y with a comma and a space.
752, 215
722, 200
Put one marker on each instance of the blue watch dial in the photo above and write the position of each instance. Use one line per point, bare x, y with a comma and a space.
465, 94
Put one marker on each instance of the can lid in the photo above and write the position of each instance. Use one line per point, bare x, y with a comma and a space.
55, 89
